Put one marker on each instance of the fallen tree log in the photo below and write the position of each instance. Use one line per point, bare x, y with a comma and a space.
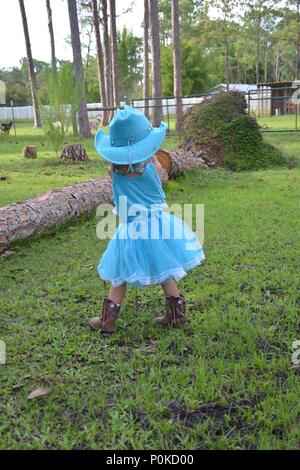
53, 208
179, 161
56, 207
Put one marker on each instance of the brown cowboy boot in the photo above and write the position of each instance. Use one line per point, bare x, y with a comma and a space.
175, 312
107, 322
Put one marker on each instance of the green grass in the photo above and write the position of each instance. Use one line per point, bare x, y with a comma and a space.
27, 177
287, 121
226, 382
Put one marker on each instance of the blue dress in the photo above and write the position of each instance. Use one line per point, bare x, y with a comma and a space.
150, 246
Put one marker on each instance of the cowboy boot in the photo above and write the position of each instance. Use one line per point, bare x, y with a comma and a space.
175, 312
107, 322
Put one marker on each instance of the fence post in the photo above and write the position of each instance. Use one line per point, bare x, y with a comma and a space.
168, 116
13, 116
249, 102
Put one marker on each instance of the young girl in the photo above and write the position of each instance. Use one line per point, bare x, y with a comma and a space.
150, 245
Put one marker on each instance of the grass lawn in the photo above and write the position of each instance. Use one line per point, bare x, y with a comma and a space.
287, 121
226, 382
27, 178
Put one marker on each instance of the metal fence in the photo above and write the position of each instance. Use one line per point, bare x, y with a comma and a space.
168, 105
276, 109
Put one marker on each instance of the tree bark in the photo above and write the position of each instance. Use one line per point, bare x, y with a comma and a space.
74, 153
106, 41
83, 119
298, 43
53, 208
51, 32
175, 162
177, 63
277, 65
157, 114
146, 57
32, 81
266, 63
114, 51
258, 49
101, 73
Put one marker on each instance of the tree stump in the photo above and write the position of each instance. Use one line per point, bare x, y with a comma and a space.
29, 151
74, 153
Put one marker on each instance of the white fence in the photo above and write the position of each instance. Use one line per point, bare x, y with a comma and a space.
26, 112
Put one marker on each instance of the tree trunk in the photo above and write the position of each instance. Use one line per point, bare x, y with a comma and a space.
74, 121
177, 63
266, 63
57, 207
101, 73
298, 42
47, 211
51, 32
227, 63
258, 49
114, 51
74, 153
157, 114
32, 81
178, 161
146, 57
89, 45
277, 65
108, 79
83, 119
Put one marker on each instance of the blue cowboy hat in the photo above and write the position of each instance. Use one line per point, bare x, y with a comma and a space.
131, 138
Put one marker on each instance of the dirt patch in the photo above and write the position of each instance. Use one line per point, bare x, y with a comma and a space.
224, 419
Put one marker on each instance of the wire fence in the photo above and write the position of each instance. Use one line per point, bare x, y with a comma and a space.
168, 105
275, 108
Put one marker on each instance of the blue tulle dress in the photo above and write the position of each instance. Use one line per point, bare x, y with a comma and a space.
150, 246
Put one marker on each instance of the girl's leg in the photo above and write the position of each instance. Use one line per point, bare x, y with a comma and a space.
175, 306
117, 294
110, 310
170, 288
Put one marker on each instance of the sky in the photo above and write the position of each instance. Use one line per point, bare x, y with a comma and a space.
12, 45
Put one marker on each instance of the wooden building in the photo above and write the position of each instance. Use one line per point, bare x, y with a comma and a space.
279, 94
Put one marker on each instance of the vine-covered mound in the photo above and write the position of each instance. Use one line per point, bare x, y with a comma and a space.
230, 137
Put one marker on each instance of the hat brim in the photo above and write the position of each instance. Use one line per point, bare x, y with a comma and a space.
140, 151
